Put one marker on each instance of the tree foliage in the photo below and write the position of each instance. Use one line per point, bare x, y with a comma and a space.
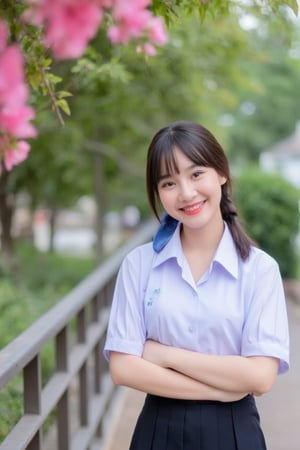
267, 113
111, 100
46, 84
269, 207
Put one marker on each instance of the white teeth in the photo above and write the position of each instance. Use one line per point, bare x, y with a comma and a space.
192, 208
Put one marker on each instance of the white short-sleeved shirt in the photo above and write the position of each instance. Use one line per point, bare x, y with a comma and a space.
236, 308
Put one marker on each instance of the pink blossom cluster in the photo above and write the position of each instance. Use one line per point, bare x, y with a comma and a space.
15, 114
71, 24
134, 20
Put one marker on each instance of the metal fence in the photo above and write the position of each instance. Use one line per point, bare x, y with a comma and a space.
79, 391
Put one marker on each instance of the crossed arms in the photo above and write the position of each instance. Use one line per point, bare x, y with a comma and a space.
178, 373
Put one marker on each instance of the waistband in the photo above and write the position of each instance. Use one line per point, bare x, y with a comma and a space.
166, 400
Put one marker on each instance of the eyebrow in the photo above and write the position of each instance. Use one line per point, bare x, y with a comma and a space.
168, 175
163, 177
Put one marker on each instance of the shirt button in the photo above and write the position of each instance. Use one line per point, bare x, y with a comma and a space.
191, 329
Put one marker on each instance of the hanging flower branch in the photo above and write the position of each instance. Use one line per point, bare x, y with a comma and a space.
15, 114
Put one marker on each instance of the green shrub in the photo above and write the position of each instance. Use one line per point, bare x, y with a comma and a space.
18, 309
11, 406
269, 211
52, 272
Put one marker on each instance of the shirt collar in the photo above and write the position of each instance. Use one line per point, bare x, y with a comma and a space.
172, 248
226, 254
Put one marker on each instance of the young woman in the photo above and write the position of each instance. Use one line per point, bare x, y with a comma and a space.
198, 319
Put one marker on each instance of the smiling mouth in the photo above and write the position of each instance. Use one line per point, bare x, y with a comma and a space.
193, 209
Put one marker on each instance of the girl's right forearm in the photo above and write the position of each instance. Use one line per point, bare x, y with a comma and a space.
137, 373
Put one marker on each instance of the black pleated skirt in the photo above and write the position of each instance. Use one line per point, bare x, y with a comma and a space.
171, 424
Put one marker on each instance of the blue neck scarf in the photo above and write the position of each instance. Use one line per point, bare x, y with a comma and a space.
164, 233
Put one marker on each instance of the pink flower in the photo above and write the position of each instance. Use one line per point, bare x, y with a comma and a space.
133, 20
17, 123
13, 90
16, 155
157, 31
69, 24
147, 48
15, 115
133, 14
130, 23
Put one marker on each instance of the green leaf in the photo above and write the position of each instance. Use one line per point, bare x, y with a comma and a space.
35, 80
47, 62
64, 106
53, 79
63, 94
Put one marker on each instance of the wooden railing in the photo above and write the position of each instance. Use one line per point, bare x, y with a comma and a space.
79, 391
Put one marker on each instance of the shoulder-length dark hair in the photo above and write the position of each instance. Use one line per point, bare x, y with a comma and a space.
202, 148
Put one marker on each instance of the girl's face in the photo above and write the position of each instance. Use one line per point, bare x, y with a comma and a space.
193, 195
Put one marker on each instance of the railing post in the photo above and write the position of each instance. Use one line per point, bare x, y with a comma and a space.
102, 361
32, 385
83, 395
61, 350
63, 409
97, 377
95, 309
63, 426
97, 367
35, 444
83, 380
81, 325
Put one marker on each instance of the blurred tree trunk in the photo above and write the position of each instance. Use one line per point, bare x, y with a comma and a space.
100, 202
52, 224
7, 204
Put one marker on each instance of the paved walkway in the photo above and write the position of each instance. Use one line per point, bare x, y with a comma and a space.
279, 409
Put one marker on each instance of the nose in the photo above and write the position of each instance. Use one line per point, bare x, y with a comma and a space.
187, 191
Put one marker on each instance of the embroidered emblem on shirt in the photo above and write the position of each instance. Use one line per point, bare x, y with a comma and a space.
153, 297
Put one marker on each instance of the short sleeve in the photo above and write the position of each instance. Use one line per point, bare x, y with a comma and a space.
265, 331
126, 328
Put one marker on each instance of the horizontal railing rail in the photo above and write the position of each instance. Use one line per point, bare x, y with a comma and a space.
80, 369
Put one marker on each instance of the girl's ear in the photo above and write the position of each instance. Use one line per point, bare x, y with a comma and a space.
222, 180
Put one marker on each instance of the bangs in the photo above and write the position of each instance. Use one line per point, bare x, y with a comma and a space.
168, 163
